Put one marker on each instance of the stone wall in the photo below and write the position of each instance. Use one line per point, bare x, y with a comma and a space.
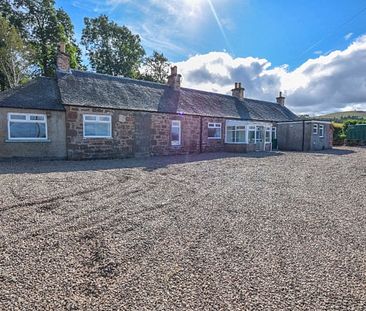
212, 145
161, 134
121, 144
53, 148
143, 134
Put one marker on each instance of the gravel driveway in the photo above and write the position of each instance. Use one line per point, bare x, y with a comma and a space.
280, 231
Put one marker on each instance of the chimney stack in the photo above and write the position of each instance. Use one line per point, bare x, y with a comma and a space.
238, 91
174, 78
281, 99
63, 59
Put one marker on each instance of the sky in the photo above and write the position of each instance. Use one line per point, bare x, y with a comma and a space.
314, 50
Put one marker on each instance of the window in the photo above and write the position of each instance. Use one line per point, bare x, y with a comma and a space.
251, 135
321, 130
274, 133
175, 133
27, 126
214, 130
235, 134
268, 135
315, 129
97, 126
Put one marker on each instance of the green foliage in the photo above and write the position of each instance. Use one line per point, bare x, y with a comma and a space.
347, 123
338, 134
112, 49
15, 56
43, 27
156, 68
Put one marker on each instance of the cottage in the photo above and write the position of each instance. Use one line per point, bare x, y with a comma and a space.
84, 115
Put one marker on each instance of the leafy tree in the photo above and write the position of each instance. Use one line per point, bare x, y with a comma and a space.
15, 56
112, 49
156, 68
43, 26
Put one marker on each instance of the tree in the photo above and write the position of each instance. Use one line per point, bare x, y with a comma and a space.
156, 68
112, 49
15, 56
43, 27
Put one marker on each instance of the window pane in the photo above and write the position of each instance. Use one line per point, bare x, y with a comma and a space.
251, 137
18, 117
240, 136
230, 135
97, 129
105, 118
90, 118
34, 118
175, 134
214, 133
27, 130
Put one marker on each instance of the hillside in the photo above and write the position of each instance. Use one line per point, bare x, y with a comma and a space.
344, 115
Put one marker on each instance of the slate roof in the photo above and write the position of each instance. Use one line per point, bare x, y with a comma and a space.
82, 88
89, 89
40, 93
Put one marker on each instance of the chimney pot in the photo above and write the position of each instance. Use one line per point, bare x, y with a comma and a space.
281, 99
238, 90
174, 79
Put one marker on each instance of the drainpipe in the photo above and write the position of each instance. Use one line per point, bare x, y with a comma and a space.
303, 135
200, 134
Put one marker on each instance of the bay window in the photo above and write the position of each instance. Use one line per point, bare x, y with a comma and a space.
235, 134
251, 135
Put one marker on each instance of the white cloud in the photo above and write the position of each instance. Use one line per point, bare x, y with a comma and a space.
327, 83
348, 36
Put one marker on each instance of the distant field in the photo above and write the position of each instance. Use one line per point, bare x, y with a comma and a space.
344, 115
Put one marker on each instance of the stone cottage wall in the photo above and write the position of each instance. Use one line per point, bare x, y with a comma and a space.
119, 146
137, 133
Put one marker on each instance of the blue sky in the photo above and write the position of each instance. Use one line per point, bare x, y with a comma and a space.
272, 35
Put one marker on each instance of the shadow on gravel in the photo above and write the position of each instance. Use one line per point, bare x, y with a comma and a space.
147, 164
334, 151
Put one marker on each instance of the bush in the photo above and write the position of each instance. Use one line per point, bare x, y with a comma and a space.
338, 134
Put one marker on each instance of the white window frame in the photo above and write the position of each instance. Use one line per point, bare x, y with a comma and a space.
321, 130
215, 126
97, 120
176, 123
27, 120
236, 130
268, 130
315, 129
274, 132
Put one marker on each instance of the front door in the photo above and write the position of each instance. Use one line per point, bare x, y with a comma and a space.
259, 138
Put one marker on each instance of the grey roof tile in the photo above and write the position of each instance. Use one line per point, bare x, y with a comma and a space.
39, 93
97, 90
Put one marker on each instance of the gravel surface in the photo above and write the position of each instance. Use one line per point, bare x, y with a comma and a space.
285, 231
